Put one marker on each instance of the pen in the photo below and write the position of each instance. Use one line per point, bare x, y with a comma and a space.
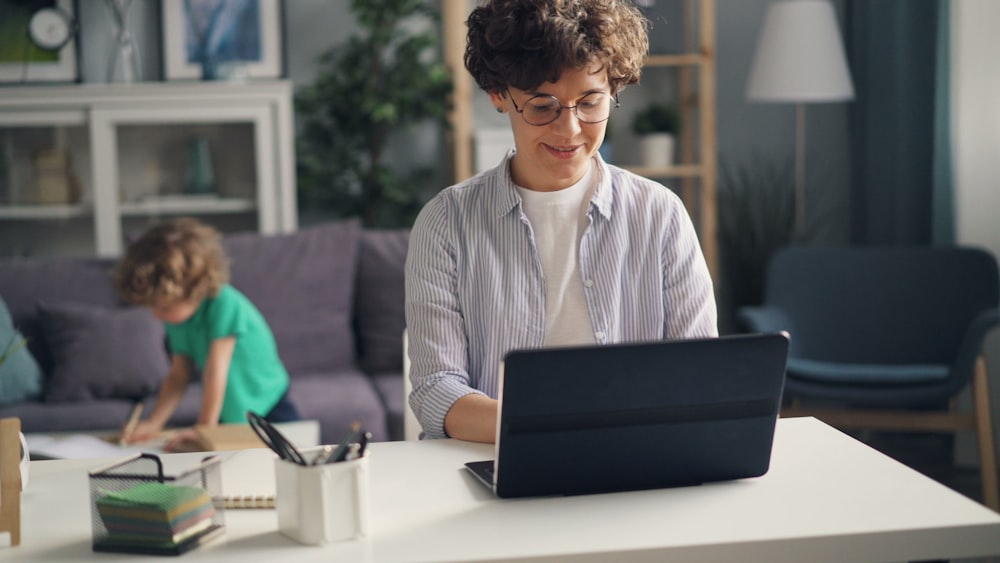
365, 438
323, 455
133, 421
345, 442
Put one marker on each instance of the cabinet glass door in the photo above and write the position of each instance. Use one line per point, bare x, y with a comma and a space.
202, 170
214, 164
46, 198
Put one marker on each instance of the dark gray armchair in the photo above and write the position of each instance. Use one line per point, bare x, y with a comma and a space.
885, 338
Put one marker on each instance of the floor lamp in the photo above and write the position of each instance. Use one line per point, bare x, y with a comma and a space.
800, 59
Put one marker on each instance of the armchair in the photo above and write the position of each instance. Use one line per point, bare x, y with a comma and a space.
885, 338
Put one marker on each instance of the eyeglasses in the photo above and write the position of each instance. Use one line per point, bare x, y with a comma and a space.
274, 439
543, 109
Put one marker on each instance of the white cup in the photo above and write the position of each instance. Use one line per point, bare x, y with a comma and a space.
324, 503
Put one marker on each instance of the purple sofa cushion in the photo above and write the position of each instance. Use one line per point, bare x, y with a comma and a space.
25, 282
303, 284
380, 301
100, 352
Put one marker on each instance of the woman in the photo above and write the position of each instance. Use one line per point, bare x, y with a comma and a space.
553, 247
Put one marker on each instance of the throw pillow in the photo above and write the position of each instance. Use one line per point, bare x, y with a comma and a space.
20, 376
101, 352
303, 284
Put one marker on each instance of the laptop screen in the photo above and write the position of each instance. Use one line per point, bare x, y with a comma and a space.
637, 416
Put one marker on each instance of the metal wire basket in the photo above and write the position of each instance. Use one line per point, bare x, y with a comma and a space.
142, 468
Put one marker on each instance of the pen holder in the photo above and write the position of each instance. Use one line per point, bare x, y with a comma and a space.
324, 503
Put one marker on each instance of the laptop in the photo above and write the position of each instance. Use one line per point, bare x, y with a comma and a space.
621, 417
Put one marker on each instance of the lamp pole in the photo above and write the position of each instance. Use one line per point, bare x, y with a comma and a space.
800, 170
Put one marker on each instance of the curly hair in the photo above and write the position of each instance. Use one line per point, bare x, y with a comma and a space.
173, 262
524, 43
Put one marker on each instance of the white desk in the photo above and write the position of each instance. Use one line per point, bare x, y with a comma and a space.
827, 497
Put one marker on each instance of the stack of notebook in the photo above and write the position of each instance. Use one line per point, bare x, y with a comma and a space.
156, 515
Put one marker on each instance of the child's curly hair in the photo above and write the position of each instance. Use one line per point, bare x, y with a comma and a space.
173, 262
524, 43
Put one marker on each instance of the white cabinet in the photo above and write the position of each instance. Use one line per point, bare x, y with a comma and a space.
85, 167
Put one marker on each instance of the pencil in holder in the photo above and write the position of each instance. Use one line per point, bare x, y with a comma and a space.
322, 503
135, 508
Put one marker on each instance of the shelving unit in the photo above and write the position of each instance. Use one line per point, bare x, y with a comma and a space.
696, 169
125, 153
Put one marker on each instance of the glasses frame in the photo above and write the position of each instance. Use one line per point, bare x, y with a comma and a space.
560, 108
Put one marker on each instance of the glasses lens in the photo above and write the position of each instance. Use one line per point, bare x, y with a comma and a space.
594, 108
540, 110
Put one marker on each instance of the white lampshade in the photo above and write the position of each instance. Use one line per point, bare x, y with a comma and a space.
800, 56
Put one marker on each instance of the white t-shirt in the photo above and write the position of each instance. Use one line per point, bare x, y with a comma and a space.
558, 220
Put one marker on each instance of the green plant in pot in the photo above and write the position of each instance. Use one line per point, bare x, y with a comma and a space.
387, 78
756, 204
656, 126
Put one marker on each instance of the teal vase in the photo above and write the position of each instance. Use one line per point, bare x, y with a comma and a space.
200, 176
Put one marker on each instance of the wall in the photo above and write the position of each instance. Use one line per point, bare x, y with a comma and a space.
744, 129
310, 27
751, 129
975, 93
976, 121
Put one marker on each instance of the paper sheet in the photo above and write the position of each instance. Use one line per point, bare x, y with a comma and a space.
81, 446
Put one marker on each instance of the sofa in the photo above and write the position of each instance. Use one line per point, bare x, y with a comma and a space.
332, 294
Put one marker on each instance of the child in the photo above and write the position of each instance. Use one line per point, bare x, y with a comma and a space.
179, 270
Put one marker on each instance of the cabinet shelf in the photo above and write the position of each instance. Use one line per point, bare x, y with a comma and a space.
182, 206
38, 212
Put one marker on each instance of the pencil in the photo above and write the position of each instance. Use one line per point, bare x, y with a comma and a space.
133, 420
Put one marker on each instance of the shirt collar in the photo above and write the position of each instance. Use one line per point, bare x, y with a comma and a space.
507, 198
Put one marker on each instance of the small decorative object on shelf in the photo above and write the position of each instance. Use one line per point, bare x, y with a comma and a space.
656, 126
200, 175
124, 63
54, 184
38, 42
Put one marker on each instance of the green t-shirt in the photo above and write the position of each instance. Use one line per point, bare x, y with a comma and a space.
257, 378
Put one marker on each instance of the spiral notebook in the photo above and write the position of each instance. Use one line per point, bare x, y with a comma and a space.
243, 489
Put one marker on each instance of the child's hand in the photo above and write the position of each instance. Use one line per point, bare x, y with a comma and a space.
186, 440
144, 432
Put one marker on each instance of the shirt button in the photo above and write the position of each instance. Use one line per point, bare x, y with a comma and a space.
588, 283
599, 336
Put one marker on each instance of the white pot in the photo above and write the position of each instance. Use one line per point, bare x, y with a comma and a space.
657, 150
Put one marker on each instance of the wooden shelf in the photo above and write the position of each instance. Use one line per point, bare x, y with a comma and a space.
678, 171
685, 59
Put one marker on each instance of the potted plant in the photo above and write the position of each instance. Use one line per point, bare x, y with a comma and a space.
656, 126
386, 78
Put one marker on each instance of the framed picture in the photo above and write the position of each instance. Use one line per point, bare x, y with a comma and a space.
221, 38
38, 41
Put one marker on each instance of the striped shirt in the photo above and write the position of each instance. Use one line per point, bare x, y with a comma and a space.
475, 288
